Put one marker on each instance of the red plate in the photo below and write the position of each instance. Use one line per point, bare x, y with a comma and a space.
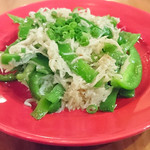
78, 128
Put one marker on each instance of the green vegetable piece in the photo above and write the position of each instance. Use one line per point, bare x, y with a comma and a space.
131, 74
92, 109
24, 76
54, 107
8, 77
66, 35
54, 14
6, 58
25, 27
23, 31
89, 22
110, 103
42, 64
35, 83
60, 22
73, 24
112, 20
99, 83
16, 19
106, 32
41, 109
112, 51
84, 41
80, 67
56, 93
127, 93
95, 32
23, 50
127, 40
51, 34
40, 17
37, 45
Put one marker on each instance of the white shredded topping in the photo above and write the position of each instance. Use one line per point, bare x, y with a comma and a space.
28, 102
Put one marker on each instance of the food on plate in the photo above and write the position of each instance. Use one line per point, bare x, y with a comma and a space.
72, 59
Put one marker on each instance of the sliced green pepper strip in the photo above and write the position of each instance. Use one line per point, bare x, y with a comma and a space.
131, 76
24, 76
16, 19
99, 83
40, 17
41, 109
25, 27
112, 51
110, 103
49, 103
80, 67
56, 94
112, 20
127, 93
41, 63
54, 107
35, 83
23, 31
127, 40
8, 77
6, 58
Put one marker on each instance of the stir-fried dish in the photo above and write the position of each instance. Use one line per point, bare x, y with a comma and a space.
72, 59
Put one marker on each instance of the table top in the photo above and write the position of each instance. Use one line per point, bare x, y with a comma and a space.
138, 142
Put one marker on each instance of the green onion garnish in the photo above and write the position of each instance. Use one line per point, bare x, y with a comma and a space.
91, 109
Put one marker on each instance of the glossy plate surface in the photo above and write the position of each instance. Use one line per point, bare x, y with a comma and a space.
77, 128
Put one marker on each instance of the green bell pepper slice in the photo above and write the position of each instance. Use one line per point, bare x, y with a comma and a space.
49, 103
80, 67
6, 58
41, 109
56, 93
25, 27
127, 93
127, 40
35, 83
8, 77
24, 76
40, 17
110, 103
112, 51
54, 107
16, 19
132, 74
41, 63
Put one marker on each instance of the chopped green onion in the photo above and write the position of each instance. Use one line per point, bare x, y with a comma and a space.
73, 24
54, 14
51, 34
23, 50
40, 17
92, 109
60, 22
95, 32
84, 41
